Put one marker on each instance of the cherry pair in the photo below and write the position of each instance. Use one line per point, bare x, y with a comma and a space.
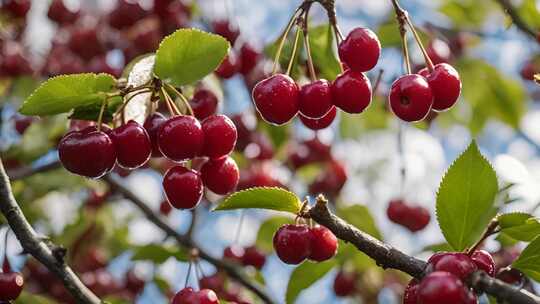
249, 256
190, 296
412, 217
296, 243
444, 283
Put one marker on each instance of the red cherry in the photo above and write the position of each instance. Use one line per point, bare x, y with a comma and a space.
315, 99
441, 287
14, 61
146, 35
470, 297
220, 175
86, 42
331, 180
185, 296
484, 261
360, 50
229, 66
134, 282
180, 138
411, 98
458, 264
438, 51
125, 14
176, 16
11, 285
214, 282
276, 98
293, 243
234, 253
219, 136
165, 208
204, 103
226, 29
17, 8
59, 13
529, 70
345, 283
22, 123
324, 244
206, 296
249, 57
351, 92
96, 199
510, 276
410, 295
253, 257
445, 85
260, 147
132, 143
152, 125
183, 187
319, 123
89, 152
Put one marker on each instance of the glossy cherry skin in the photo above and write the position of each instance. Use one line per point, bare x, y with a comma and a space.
204, 103
458, 264
345, 283
441, 287
89, 152
315, 99
180, 138
293, 243
183, 187
410, 295
411, 98
59, 13
438, 51
11, 285
152, 125
17, 8
320, 123
125, 14
234, 253
253, 257
445, 85
351, 92
226, 29
324, 244
86, 42
219, 136
207, 296
220, 175
276, 98
229, 66
185, 296
133, 145
249, 57
484, 261
414, 218
360, 50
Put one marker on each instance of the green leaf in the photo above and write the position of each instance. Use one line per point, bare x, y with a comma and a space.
354, 125
360, 217
349, 254
304, 276
159, 253
266, 232
466, 13
439, 247
271, 198
29, 298
321, 41
63, 93
465, 200
529, 260
188, 55
91, 112
519, 226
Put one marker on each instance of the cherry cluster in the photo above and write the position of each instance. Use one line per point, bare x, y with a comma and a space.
248, 256
296, 243
412, 217
445, 281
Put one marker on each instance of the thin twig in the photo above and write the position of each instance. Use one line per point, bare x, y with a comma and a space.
516, 19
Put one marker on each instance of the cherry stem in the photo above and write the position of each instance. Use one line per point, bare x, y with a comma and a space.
294, 51
305, 29
429, 63
124, 105
101, 112
239, 227
283, 38
183, 98
6, 245
173, 109
490, 230
188, 274
378, 81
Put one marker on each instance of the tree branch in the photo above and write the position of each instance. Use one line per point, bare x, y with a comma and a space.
387, 256
516, 19
27, 171
37, 247
184, 241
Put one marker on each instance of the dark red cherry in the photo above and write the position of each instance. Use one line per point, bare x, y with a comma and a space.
220, 175
183, 187
410, 295
360, 50
89, 152
11, 285
133, 145
529, 70
510, 276
411, 98
324, 244
438, 51
229, 66
253, 257
125, 14
17, 8
134, 282
292, 243
458, 264
441, 287
219, 136
226, 29
185, 296
276, 98
206, 296
445, 85
234, 253
204, 103
320, 123
351, 92
249, 57
152, 125
59, 13
315, 99
484, 261
86, 42
214, 282
180, 138
345, 283
165, 208
14, 61
146, 34
22, 123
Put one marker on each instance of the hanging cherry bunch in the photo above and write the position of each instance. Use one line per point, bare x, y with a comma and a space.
410, 216
279, 98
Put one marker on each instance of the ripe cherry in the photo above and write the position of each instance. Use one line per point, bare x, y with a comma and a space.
276, 98
204, 103
234, 253
89, 152
22, 123
165, 208
226, 29
214, 282
146, 35
484, 261
249, 57
331, 180
410, 295
345, 283
184, 296
458, 264
86, 42
254, 257
220, 175
528, 71
134, 282
411, 98
125, 14
180, 138
293, 243
324, 244
152, 125
351, 92
510, 275
414, 218
438, 51
445, 85
441, 287
59, 13
229, 66
315, 99
133, 145
206, 296
11, 285
183, 187
320, 123
17, 8
219, 136
360, 50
